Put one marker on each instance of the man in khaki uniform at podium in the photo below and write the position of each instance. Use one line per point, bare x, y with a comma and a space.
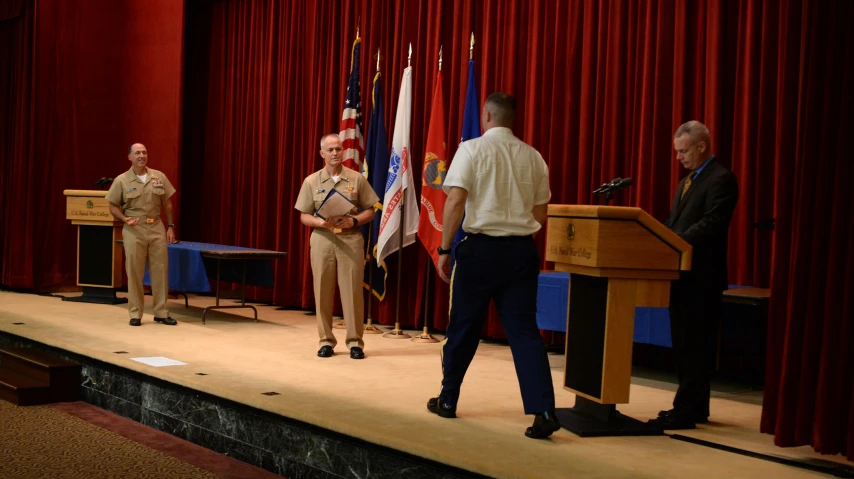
337, 246
136, 199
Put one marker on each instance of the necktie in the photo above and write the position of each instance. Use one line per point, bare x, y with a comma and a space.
687, 185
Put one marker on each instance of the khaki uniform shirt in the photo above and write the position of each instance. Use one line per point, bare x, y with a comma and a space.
140, 200
351, 184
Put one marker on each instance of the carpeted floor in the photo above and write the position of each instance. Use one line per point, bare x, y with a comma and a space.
80, 441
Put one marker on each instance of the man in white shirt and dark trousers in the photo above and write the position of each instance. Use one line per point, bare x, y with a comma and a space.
502, 185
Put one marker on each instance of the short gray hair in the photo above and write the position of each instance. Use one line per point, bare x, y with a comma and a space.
696, 130
327, 136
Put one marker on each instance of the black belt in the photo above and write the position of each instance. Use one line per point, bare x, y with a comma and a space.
481, 236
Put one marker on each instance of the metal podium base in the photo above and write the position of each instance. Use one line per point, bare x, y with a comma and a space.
97, 295
591, 419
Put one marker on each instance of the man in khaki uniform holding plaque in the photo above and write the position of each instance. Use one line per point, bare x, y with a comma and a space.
337, 246
136, 199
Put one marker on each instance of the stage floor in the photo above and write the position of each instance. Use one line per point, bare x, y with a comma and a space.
382, 399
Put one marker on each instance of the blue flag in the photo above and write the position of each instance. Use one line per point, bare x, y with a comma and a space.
471, 114
376, 171
471, 130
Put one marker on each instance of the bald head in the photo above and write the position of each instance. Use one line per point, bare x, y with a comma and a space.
499, 110
138, 156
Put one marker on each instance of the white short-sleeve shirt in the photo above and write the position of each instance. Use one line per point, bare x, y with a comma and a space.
505, 178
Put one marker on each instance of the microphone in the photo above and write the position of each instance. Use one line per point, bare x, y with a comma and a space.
102, 181
607, 187
622, 185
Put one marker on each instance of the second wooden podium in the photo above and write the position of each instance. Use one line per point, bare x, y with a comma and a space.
619, 258
99, 257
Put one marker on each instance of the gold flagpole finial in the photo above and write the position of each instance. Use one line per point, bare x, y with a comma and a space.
358, 21
440, 58
409, 58
378, 59
471, 47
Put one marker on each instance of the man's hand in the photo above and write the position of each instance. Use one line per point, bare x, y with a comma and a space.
445, 267
170, 236
330, 223
132, 221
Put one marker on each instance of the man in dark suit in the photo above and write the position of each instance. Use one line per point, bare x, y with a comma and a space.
701, 213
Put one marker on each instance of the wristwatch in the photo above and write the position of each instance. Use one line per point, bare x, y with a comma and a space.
443, 251
355, 221
170, 225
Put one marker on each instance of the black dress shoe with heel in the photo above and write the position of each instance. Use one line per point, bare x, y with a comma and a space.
325, 351
357, 353
167, 321
135, 322
545, 424
441, 408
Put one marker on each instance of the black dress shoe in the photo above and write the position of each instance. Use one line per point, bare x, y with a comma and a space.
443, 409
673, 422
167, 321
694, 419
135, 322
325, 351
544, 425
357, 353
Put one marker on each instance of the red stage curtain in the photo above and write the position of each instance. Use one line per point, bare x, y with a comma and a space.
601, 87
803, 123
87, 78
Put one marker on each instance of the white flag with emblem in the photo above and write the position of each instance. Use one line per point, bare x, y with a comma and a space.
400, 184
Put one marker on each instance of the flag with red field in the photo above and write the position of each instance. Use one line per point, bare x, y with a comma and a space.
433, 178
351, 119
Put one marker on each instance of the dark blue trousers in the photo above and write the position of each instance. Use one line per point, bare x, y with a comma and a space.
506, 270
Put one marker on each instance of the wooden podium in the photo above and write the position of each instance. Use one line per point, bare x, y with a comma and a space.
99, 257
619, 258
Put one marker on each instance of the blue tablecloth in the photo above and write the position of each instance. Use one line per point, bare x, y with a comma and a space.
652, 325
189, 271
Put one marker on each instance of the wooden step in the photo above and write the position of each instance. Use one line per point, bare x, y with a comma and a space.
61, 375
23, 391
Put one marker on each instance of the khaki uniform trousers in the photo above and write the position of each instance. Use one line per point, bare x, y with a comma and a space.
341, 255
141, 242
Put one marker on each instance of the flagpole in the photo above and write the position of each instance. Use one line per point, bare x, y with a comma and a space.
398, 333
369, 327
425, 336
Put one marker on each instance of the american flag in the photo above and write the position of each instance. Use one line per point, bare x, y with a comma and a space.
351, 119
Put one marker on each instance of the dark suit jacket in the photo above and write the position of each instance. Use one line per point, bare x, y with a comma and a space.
702, 219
